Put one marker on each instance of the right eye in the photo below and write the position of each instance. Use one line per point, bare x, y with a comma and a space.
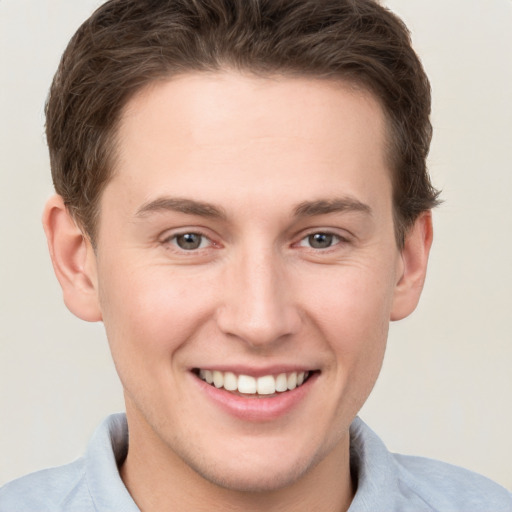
189, 241
320, 240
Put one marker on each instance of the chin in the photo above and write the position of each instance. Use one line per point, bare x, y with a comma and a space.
253, 480
255, 473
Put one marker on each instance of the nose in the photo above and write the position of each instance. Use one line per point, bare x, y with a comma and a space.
258, 303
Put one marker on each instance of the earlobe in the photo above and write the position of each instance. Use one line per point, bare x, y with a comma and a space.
73, 260
414, 260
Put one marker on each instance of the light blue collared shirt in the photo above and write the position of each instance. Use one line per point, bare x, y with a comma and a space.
386, 482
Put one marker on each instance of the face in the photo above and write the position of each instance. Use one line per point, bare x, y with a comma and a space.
247, 237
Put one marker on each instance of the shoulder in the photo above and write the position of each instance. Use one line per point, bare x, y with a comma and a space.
388, 481
89, 484
450, 488
54, 489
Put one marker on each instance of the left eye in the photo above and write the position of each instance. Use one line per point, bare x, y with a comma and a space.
320, 240
190, 241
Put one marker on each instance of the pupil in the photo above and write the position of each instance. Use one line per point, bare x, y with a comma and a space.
189, 241
320, 240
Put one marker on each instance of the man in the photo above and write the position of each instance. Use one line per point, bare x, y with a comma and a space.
242, 199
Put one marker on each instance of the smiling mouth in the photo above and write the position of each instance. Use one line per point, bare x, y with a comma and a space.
247, 385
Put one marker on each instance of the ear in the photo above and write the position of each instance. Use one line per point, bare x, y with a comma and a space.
73, 259
414, 256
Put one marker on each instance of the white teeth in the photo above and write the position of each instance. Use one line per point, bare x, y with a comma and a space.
218, 379
206, 375
246, 384
281, 383
265, 385
230, 381
292, 381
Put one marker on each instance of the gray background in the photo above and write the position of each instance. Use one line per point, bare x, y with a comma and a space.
446, 387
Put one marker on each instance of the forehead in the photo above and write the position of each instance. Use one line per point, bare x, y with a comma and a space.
199, 133
217, 105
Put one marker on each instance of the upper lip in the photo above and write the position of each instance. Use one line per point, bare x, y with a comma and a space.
256, 371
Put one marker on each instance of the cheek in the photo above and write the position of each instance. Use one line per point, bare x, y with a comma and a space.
354, 317
353, 300
149, 313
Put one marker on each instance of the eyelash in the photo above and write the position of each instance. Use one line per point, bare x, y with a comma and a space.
332, 237
173, 240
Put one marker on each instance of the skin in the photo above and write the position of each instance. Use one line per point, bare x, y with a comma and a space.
266, 155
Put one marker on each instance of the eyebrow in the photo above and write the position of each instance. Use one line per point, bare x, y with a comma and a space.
176, 204
336, 205
203, 209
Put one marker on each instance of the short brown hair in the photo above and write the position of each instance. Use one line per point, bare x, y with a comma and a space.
126, 44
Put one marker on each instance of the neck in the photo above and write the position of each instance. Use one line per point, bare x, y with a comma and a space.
160, 481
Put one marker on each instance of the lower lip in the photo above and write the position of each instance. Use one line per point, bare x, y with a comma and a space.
257, 409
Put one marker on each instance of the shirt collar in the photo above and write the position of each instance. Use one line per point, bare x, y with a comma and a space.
105, 453
373, 468
371, 464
